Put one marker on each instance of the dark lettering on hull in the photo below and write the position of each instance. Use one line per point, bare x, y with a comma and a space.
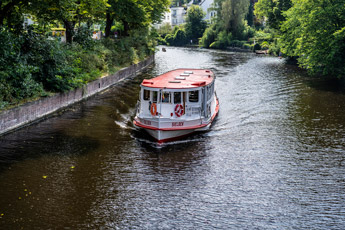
177, 124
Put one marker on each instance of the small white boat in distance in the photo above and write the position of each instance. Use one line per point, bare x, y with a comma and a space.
177, 103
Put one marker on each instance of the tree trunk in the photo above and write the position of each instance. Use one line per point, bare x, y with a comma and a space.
69, 26
109, 23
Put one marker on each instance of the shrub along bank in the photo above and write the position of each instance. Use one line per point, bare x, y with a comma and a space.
33, 66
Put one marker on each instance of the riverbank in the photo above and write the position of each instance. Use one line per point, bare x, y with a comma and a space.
28, 113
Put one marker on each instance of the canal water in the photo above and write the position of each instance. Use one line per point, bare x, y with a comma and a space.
274, 159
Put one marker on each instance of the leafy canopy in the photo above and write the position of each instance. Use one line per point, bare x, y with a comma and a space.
314, 31
195, 25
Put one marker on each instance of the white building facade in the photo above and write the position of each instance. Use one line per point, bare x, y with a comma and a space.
206, 6
176, 15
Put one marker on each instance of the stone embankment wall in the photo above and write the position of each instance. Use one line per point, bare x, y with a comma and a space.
17, 117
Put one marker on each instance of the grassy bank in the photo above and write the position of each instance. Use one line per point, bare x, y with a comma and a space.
32, 66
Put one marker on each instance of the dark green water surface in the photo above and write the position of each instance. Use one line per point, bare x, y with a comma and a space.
274, 159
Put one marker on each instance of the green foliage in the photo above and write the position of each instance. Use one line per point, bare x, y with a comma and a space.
136, 14
222, 41
250, 15
161, 41
272, 10
231, 15
165, 29
83, 36
179, 38
230, 24
195, 25
264, 45
30, 64
314, 32
209, 36
16, 75
272, 45
169, 39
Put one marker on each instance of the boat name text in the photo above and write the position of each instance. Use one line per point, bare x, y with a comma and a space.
176, 124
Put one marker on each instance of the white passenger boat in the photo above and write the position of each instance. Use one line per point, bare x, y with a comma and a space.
177, 103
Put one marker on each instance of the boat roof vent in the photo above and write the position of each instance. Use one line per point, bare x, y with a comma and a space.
145, 81
184, 74
188, 72
180, 78
200, 83
174, 81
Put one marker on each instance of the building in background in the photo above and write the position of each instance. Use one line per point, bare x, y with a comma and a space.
176, 15
207, 5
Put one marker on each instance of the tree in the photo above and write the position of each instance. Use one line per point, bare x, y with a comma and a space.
69, 12
231, 15
11, 13
272, 10
195, 25
179, 38
250, 15
314, 31
135, 14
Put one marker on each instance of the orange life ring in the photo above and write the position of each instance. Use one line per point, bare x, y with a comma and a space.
179, 110
153, 109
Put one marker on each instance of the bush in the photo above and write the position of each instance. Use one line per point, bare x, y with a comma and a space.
31, 65
237, 43
179, 38
222, 41
169, 39
161, 41
264, 45
83, 36
209, 36
248, 46
16, 74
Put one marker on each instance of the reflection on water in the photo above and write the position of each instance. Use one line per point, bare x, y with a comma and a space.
274, 159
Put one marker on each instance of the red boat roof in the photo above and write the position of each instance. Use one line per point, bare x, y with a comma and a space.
181, 79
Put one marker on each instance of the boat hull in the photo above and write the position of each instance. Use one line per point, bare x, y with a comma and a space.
166, 135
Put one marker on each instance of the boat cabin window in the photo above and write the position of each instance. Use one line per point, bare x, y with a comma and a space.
146, 95
193, 96
154, 96
165, 97
177, 97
